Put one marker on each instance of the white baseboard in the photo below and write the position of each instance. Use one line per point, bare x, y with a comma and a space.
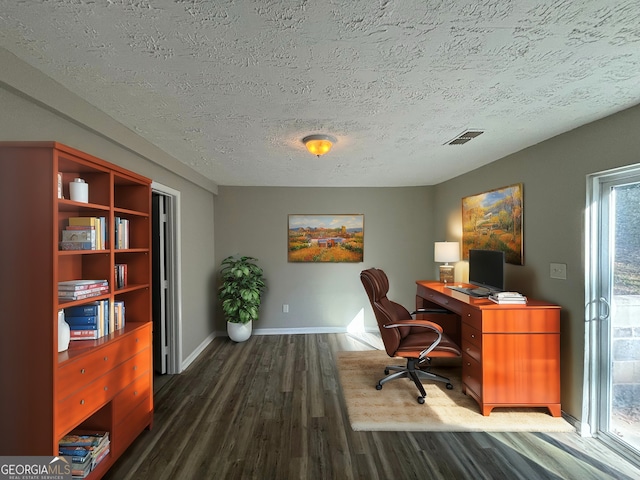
189, 360
295, 331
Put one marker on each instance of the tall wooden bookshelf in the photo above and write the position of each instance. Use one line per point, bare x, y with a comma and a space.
103, 384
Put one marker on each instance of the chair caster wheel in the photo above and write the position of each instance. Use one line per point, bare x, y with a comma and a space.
421, 400
378, 387
386, 371
449, 386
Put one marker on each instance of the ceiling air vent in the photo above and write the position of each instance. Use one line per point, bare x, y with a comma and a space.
465, 137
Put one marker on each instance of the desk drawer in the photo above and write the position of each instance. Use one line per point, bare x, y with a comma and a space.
472, 374
438, 299
472, 336
472, 317
474, 351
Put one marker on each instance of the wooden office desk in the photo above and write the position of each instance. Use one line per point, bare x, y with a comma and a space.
510, 353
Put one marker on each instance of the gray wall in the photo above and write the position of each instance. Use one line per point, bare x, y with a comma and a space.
553, 174
22, 119
398, 237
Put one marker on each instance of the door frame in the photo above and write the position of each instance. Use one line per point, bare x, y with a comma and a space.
597, 374
174, 288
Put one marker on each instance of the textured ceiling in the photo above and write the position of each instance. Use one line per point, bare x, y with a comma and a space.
230, 87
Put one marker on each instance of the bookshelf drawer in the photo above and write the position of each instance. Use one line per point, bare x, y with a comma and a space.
472, 374
126, 431
78, 406
132, 395
96, 363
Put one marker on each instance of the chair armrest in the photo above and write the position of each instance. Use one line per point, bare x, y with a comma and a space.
415, 323
424, 324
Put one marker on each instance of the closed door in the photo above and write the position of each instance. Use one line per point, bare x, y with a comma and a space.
615, 339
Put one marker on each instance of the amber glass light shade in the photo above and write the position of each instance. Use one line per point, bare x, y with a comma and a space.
318, 144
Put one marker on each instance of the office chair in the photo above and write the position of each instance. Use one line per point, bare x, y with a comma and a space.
403, 336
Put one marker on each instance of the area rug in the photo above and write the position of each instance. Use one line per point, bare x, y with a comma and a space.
394, 408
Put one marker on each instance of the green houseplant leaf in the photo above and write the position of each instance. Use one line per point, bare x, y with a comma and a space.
241, 290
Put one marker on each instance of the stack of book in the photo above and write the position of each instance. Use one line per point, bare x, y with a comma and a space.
508, 298
94, 320
86, 449
79, 289
85, 233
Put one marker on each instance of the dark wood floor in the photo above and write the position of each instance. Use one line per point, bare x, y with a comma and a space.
271, 408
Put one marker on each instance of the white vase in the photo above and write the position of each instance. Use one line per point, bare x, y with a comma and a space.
239, 332
64, 332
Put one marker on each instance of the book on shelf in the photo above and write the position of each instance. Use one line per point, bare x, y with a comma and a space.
508, 298
118, 307
88, 309
75, 285
84, 334
82, 294
76, 326
84, 438
78, 454
81, 320
80, 289
77, 235
121, 275
121, 233
69, 246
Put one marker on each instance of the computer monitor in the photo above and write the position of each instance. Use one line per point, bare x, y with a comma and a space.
486, 269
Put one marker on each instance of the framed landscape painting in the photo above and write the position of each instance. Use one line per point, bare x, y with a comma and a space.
325, 238
493, 221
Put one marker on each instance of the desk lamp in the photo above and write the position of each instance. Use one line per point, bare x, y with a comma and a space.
446, 252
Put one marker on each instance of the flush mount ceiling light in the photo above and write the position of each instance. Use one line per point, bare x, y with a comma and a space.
318, 144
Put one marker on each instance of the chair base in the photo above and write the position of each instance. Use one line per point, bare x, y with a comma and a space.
412, 371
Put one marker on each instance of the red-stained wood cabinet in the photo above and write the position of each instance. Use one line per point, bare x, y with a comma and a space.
104, 384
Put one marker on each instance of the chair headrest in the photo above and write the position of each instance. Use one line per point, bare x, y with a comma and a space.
375, 283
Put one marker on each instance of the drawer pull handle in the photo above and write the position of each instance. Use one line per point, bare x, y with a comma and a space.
468, 364
82, 402
468, 349
473, 335
82, 371
106, 358
106, 388
136, 340
135, 367
468, 314
135, 393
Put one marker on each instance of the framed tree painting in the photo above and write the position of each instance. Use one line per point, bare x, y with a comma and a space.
325, 238
493, 221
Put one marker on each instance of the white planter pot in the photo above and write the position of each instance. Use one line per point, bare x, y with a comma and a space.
239, 332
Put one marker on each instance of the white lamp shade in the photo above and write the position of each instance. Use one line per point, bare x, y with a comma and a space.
446, 252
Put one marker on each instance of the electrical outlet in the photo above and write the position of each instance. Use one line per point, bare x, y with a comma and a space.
285, 308
558, 270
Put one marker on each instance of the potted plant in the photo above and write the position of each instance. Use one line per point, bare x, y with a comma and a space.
240, 295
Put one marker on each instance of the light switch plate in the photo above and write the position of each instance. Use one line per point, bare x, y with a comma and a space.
558, 270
